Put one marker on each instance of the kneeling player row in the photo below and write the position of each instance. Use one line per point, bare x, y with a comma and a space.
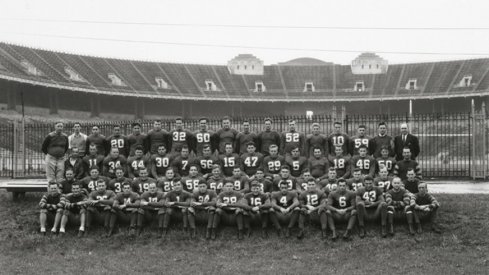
282, 207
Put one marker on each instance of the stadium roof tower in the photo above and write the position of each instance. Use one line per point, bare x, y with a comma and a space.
246, 64
305, 61
369, 63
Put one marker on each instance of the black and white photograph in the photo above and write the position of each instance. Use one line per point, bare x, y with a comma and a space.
244, 137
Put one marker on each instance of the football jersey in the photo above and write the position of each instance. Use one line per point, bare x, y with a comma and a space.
136, 140
291, 183
143, 184
242, 139
110, 164
239, 183
206, 197
388, 162
203, 138
106, 195
353, 184
290, 140
371, 195
328, 185
401, 195
179, 138
358, 141
50, 198
265, 139
90, 161
302, 182
116, 184
256, 200
272, 165
384, 184
297, 165
315, 141
318, 166
341, 164
230, 198
159, 164
99, 141
251, 162
120, 142
155, 138
178, 196
182, 165
342, 140
411, 186
65, 186
215, 184
225, 136
123, 199
90, 184
134, 164
190, 184
365, 164
342, 200
266, 186
424, 199
73, 198
312, 197
228, 162
377, 142
156, 197
165, 184
205, 164
284, 200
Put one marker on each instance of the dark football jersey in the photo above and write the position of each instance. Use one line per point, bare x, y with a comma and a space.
143, 184
291, 183
182, 165
215, 184
256, 200
365, 164
242, 139
99, 141
179, 138
178, 196
318, 166
203, 138
116, 184
358, 141
290, 140
159, 164
315, 141
388, 162
239, 183
165, 184
120, 142
122, 198
230, 198
93, 161
384, 184
401, 195
191, 183
134, 164
156, 138
110, 164
372, 195
312, 197
297, 165
342, 140
136, 140
341, 164
342, 200
284, 200
106, 195
205, 164
91, 184
225, 136
228, 162
152, 198
272, 165
266, 186
251, 162
353, 184
208, 196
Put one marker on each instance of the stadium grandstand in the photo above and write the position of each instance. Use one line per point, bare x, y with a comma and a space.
96, 86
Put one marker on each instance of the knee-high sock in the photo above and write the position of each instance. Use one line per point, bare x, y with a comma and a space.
107, 216
166, 220
361, 214
57, 219
293, 218
264, 220
185, 219
113, 219
161, 220
64, 221
210, 219
191, 220
323, 220
134, 219
42, 220
274, 219
302, 220
89, 219
239, 221
247, 220
217, 219
410, 215
383, 215
331, 222
390, 217
140, 220
351, 222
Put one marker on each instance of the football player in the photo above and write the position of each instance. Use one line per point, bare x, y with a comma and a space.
50, 208
65, 185
152, 207
385, 160
165, 184
229, 204
272, 163
341, 163
136, 163
401, 168
74, 209
285, 208
425, 204
89, 184
315, 140
191, 182
143, 181
245, 137
399, 203
180, 138
330, 183
257, 209
92, 160
97, 139
383, 181
284, 176
225, 135
267, 138
318, 164
117, 183
125, 208
240, 181
136, 138
291, 139
177, 202
338, 138
341, 208
99, 208
206, 161
251, 160
356, 181
182, 162
112, 161
411, 183
296, 162
160, 162
202, 207
371, 206
156, 137
228, 160
119, 141
312, 204
266, 185
204, 137
365, 163
216, 180
381, 140
360, 139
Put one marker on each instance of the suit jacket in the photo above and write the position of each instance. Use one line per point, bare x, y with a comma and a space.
411, 141
78, 168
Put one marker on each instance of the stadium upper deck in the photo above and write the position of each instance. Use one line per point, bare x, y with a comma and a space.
279, 83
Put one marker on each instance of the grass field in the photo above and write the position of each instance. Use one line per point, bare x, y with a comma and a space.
463, 247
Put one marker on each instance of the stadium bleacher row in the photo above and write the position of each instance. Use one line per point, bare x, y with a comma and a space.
281, 82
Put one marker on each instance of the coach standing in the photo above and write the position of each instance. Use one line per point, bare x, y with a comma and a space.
55, 146
406, 140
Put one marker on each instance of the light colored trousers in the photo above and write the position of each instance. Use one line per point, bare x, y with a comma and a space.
55, 168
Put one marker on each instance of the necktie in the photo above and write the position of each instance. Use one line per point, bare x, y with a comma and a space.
404, 138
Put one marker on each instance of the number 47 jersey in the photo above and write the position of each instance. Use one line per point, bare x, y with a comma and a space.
251, 162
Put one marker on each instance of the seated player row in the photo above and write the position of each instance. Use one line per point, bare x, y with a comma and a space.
284, 207
195, 141
249, 163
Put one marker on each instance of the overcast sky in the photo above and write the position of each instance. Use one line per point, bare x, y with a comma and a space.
56, 25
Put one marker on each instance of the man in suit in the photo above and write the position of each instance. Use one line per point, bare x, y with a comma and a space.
405, 139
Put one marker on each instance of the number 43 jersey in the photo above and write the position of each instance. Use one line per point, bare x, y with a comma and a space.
371, 195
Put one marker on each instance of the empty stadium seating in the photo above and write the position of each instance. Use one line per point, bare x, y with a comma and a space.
280, 82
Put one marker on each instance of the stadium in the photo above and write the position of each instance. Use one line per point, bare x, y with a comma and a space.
245, 153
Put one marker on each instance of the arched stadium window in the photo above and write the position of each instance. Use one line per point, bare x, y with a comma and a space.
259, 87
309, 87
466, 81
161, 83
210, 85
359, 86
412, 84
